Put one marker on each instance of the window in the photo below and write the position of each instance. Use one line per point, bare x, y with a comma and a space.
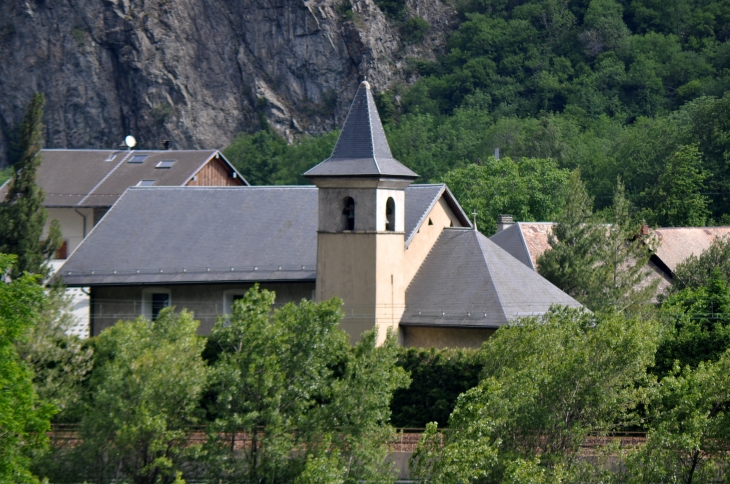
154, 300
62, 252
111, 156
165, 164
349, 214
159, 302
146, 183
229, 297
390, 214
430, 222
137, 159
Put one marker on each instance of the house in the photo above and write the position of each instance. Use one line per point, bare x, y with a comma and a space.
401, 256
81, 185
526, 241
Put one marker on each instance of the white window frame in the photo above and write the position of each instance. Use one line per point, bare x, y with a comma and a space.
147, 299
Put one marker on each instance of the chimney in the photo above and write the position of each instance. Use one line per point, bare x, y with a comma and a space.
166, 144
504, 222
645, 229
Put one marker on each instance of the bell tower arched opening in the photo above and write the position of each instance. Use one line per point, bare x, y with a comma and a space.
390, 215
348, 214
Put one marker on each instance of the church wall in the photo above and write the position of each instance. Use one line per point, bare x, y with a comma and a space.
390, 283
444, 337
442, 216
208, 301
346, 268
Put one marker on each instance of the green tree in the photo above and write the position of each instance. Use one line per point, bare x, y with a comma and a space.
677, 199
575, 245
22, 215
144, 397
61, 363
689, 428
605, 28
290, 380
697, 271
529, 189
548, 382
622, 270
24, 419
601, 265
698, 325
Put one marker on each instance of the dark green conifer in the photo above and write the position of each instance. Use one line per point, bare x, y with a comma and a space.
22, 215
575, 244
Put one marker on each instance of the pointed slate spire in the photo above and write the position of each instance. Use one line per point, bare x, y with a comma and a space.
362, 149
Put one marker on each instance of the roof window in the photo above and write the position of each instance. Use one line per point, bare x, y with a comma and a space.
137, 159
146, 183
165, 164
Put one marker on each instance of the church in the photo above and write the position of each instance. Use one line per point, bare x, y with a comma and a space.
402, 256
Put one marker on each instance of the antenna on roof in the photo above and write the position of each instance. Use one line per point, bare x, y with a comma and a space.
130, 141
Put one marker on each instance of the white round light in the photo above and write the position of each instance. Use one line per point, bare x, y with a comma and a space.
130, 141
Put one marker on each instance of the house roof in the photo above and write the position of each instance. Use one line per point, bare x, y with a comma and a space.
97, 178
469, 281
676, 244
526, 241
361, 149
420, 199
212, 234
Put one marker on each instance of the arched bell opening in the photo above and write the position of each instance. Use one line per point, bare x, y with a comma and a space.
390, 215
348, 214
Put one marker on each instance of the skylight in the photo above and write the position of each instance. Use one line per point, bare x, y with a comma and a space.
165, 164
146, 183
137, 159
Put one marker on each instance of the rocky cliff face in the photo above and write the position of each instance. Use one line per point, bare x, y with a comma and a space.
196, 72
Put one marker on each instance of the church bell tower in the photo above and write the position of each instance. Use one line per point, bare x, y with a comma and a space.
361, 223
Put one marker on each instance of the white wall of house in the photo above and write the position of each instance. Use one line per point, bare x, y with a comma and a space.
72, 224
79, 306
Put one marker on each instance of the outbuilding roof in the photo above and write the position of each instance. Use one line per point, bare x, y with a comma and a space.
97, 178
361, 149
213, 234
526, 241
469, 281
676, 244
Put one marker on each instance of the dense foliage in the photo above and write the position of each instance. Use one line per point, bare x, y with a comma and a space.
292, 381
24, 419
438, 377
547, 383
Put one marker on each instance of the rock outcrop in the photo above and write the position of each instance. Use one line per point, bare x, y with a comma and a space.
196, 72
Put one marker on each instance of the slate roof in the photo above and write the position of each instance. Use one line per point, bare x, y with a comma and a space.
97, 178
469, 281
361, 149
526, 241
213, 234
420, 199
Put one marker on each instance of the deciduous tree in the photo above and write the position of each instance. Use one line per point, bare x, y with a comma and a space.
24, 419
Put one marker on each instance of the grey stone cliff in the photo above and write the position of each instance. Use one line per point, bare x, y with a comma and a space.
196, 72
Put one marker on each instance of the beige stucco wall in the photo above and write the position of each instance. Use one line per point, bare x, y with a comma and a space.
442, 216
113, 303
72, 224
365, 271
444, 337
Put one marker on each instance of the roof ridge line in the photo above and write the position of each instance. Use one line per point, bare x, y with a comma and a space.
105, 177
491, 276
